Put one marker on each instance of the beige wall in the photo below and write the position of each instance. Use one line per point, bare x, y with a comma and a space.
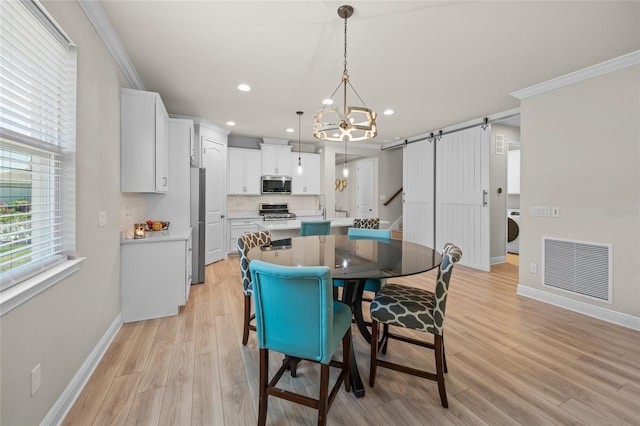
581, 153
61, 326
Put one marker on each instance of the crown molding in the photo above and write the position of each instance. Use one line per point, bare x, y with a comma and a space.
100, 21
624, 61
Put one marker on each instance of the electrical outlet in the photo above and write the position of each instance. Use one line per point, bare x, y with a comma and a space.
533, 268
555, 211
36, 379
102, 218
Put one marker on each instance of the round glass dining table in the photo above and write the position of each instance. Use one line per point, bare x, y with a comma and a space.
353, 260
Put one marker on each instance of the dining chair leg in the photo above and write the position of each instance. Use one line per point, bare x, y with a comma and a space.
438, 349
323, 406
346, 356
385, 333
247, 319
263, 395
444, 356
374, 353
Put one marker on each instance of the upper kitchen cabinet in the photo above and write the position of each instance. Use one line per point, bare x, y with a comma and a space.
144, 142
307, 183
276, 158
244, 171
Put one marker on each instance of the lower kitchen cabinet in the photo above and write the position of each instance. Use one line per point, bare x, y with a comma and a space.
238, 227
155, 275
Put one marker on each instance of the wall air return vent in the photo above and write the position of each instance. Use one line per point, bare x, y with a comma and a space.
578, 267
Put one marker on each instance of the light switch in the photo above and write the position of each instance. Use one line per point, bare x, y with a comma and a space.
102, 218
555, 211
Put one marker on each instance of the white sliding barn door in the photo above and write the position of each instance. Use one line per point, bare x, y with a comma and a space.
462, 182
417, 181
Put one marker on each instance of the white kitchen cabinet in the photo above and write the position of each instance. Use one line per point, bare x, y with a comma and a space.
155, 275
244, 171
513, 172
307, 183
144, 142
276, 160
239, 227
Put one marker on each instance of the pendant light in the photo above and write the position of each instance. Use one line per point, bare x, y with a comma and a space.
299, 159
349, 123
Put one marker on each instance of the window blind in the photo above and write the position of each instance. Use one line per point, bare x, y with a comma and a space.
37, 125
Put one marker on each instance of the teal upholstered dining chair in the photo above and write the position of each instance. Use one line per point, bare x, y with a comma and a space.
245, 243
418, 309
373, 285
316, 227
297, 316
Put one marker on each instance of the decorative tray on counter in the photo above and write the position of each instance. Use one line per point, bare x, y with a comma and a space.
157, 225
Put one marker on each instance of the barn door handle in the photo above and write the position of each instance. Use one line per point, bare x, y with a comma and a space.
484, 198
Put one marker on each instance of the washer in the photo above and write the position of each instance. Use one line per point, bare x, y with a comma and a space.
513, 231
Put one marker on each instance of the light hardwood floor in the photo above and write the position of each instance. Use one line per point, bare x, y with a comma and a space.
511, 360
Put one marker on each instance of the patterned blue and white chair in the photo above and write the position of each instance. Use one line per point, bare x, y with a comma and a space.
414, 308
368, 223
297, 316
245, 243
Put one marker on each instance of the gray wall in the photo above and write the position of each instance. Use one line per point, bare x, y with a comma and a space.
581, 152
61, 326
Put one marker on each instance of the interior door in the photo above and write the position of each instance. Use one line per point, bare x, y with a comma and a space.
417, 197
364, 195
214, 160
462, 182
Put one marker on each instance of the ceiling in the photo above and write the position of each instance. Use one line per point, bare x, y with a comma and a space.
435, 63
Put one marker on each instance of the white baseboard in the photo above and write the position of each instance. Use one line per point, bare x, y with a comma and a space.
619, 318
62, 406
497, 260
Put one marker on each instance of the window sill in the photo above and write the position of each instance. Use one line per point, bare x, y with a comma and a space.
20, 293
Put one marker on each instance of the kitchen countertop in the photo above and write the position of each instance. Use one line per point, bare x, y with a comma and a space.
295, 224
156, 236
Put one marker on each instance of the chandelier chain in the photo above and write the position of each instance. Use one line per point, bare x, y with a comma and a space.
345, 72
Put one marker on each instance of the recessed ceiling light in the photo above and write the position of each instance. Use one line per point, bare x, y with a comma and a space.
335, 135
231, 123
289, 130
244, 87
327, 102
388, 111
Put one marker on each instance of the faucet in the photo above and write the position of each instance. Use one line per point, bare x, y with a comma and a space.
321, 205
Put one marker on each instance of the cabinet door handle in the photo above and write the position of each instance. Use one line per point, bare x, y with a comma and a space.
484, 198
164, 179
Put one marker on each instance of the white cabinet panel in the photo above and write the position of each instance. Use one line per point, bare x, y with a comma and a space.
155, 277
244, 171
307, 183
276, 160
144, 142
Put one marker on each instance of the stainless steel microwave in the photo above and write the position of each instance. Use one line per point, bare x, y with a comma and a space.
276, 185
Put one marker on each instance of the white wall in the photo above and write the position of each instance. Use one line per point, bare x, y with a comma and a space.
61, 326
581, 153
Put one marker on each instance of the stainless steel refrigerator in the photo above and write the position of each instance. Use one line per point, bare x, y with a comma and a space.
198, 180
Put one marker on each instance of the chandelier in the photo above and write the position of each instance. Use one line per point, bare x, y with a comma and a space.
348, 123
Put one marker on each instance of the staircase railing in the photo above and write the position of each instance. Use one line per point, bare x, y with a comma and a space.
398, 192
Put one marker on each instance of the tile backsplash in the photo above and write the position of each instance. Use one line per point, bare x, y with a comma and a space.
133, 210
249, 203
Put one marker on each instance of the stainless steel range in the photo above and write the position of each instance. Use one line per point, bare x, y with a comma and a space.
275, 211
